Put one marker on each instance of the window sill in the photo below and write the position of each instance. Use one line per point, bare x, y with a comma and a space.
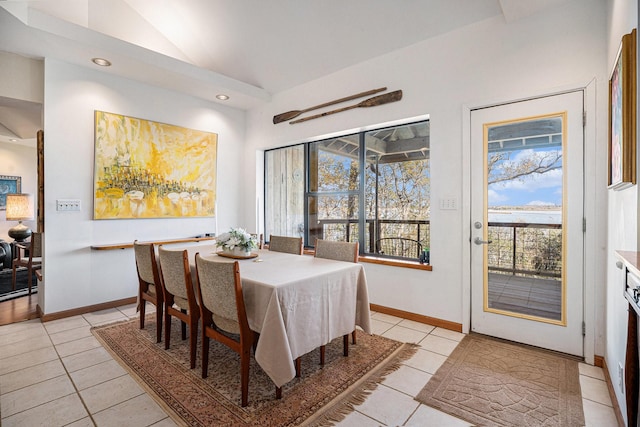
395, 263
386, 261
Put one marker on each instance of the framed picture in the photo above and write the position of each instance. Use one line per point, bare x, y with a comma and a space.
8, 185
146, 169
622, 116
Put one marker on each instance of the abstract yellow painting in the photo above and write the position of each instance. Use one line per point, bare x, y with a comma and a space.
146, 169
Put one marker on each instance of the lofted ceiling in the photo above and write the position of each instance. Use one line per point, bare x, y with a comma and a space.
246, 49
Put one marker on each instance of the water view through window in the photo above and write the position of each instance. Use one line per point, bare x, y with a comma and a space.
524, 178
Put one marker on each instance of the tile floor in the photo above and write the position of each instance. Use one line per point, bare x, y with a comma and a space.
57, 374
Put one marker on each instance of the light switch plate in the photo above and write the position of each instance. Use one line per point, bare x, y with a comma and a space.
448, 203
67, 205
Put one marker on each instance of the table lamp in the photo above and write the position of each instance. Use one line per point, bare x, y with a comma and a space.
19, 209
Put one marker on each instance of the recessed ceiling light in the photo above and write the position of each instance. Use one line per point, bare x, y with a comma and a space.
222, 97
13, 140
101, 62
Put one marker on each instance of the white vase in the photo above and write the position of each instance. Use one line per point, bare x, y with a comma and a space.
238, 251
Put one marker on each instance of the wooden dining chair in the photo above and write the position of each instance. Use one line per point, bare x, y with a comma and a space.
223, 312
290, 245
179, 297
149, 283
338, 251
28, 255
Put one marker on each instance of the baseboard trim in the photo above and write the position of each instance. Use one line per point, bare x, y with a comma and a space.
453, 326
86, 309
601, 362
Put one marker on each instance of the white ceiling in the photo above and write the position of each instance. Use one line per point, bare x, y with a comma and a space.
247, 49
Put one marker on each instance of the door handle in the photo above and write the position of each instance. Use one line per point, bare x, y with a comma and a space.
477, 241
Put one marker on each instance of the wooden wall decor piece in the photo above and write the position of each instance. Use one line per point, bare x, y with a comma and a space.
283, 117
371, 102
40, 149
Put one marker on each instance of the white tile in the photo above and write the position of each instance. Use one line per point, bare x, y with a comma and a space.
25, 346
379, 327
591, 371
67, 323
96, 374
71, 335
407, 380
595, 390
418, 326
356, 419
77, 346
84, 422
427, 416
19, 328
139, 411
31, 375
446, 333
32, 358
34, 395
86, 358
388, 406
110, 393
104, 316
129, 310
439, 345
386, 318
402, 334
426, 361
35, 330
59, 412
598, 415
167, 422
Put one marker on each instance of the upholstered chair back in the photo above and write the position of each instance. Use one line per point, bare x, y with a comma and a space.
146, 264
35, 250
339, 251
217, 284
175, 275
290, 245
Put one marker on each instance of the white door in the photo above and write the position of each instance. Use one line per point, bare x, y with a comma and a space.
527, 222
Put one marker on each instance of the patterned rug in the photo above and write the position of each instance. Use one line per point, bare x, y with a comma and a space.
322, 396
490, 382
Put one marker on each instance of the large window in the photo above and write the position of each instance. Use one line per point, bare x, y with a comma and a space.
372, 187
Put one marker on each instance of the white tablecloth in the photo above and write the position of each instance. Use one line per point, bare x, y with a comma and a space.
298, 303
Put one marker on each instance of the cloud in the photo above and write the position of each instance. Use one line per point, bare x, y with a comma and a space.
495, 197
534, 182
540, 203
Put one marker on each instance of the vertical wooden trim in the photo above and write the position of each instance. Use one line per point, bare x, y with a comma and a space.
40, 148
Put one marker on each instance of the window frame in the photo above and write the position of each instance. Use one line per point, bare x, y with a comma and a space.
360, 193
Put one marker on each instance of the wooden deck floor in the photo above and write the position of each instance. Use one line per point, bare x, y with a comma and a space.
522, 295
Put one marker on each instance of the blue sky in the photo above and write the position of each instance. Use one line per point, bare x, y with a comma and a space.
534, 190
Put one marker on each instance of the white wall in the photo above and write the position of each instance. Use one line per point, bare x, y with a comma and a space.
488, 62
622, 16
22, 161
75, 275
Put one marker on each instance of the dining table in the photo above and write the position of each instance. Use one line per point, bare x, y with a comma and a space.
296, 303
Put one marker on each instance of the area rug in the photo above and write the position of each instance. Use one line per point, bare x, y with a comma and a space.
6, 288
322, 396
491, 382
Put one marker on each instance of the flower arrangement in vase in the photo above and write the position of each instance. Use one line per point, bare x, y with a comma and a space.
237, 242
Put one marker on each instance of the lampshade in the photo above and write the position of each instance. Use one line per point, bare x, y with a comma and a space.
19, 207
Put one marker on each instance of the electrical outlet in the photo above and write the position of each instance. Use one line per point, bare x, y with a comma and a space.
621, 377
68, 205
